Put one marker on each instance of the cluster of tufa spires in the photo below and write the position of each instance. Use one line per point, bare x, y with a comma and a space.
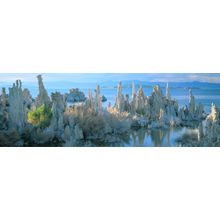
155, 110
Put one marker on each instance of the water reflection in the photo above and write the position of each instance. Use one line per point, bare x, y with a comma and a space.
155, 137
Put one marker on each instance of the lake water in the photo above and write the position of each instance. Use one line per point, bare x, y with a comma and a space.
204, 92
157, 137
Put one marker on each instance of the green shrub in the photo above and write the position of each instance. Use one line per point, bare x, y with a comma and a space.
41, 116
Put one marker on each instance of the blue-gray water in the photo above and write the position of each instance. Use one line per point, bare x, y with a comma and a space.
204, 92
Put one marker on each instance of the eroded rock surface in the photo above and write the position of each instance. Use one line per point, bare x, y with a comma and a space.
17, 111
75, 95
42, 97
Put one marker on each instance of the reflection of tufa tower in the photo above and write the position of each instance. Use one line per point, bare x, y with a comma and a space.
200, 132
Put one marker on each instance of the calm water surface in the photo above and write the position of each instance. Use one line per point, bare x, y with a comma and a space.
156, 137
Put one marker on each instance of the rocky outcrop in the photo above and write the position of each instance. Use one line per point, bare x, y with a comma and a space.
42, 97
192, 112
3, 110
149, 110
58, 108
90, 100
208, 131
28, 100
168, 92
98, 98
88, 122
212, 127
75, 95
17, 111
214, 115
127, 106
119, 104
192, 105
78, 133
140, 105
157, 102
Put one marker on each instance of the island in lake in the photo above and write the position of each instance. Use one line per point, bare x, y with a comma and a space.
108, 115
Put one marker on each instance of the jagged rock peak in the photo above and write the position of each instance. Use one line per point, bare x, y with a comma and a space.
28, 100
3, 97
119, 98
133, 90
98, 98
17, 110
140, 92
42, 97
157, 89
58, 107
191, 102
214, 115
168, 92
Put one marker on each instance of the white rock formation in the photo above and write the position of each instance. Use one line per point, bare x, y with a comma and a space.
3, 110
17, 111
191, 104
133, 90
199, 111
168, 92
211, 136
3, 97
127, 106
58, 108
157, 102
140, 101
78, 133
90, 100
28, 100
192, 111
119, 104
98, 98
214, 115
42, 97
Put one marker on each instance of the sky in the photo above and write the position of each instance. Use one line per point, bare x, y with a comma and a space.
156, 77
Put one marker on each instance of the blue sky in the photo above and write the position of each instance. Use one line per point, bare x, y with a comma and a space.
157, 77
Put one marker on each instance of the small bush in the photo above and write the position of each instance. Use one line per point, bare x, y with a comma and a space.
40, 117
9, 139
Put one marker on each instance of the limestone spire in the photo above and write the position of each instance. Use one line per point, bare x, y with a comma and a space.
3, 97
133, 90
191, 102
119, 98
98, 98
214, 115
17, 111
42, 97
168, 92
58, 107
